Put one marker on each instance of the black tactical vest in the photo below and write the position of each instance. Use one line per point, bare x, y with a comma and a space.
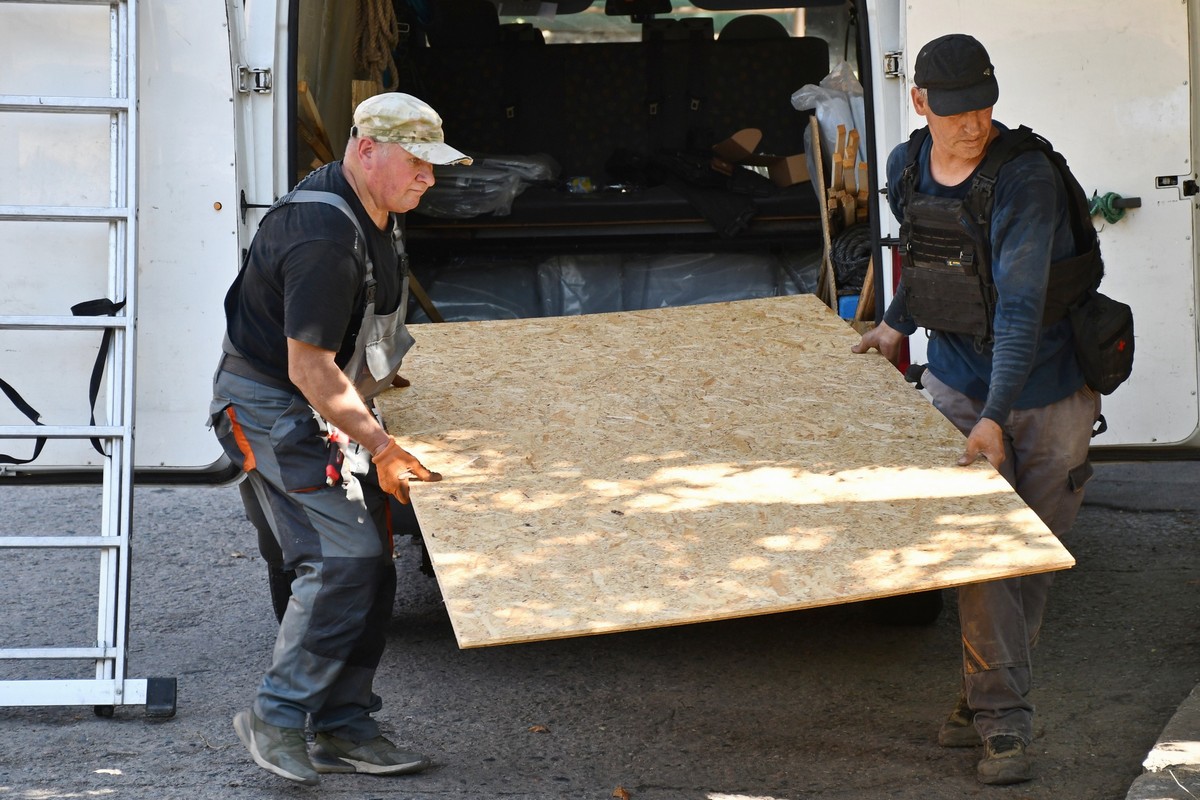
945, 244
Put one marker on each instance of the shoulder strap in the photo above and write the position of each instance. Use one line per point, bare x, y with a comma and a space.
908, 178
981, 196
1078, 205
339, 202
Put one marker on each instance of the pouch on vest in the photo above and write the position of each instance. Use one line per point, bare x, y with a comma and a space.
945, 288
1103, 330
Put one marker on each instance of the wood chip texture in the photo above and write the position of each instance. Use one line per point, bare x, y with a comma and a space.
639, 469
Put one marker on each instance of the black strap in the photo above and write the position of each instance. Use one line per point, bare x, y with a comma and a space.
102, 307
33, 417
1079, 207
909, 178
1083, 271
981, 195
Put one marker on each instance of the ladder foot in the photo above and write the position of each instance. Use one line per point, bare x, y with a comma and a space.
160, 697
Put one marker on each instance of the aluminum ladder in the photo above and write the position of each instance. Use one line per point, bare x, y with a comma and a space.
110, 687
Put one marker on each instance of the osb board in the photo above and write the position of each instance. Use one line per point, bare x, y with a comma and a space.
633, 470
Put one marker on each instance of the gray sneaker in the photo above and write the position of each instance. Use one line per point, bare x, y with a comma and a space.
1004, 761
278, 750
959, 728
376, 756
326, 763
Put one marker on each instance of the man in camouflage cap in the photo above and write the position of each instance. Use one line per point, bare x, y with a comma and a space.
315, 329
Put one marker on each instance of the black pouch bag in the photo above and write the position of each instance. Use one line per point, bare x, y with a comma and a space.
1103, 330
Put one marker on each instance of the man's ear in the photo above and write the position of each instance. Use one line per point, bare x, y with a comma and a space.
364, 148
919, 101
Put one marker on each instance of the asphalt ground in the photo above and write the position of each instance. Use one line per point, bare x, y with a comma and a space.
828, 703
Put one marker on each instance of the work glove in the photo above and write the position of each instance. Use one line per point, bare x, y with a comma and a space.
396, 467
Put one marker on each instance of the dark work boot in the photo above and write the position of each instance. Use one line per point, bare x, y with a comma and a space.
959, 728
1004, 761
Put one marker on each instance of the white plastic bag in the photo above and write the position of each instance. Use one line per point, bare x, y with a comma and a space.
838, 100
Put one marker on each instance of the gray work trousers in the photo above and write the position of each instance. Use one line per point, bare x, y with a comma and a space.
1046, 461
336, 538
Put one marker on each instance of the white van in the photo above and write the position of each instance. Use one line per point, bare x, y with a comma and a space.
594, 189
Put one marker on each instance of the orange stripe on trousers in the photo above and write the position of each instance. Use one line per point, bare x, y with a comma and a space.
243, 443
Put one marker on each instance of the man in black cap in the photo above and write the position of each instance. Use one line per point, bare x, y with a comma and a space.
1009, 382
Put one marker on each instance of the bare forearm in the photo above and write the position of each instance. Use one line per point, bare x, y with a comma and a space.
331, 393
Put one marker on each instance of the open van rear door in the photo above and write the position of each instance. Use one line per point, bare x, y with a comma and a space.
185, 218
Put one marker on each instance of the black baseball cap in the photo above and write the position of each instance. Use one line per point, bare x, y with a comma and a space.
958, 75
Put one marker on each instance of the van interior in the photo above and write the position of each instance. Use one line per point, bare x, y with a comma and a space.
629, 154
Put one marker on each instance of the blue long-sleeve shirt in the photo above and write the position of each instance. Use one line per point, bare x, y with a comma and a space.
1027, 366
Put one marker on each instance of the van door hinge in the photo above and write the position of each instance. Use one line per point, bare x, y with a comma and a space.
253, 80
893, 64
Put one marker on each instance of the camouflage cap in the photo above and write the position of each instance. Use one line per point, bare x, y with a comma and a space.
405, 120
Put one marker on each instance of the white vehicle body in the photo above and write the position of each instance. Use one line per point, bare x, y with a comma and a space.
1109, 83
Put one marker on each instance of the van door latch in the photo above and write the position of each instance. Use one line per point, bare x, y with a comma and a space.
893, 64
253, 80
1187, 186
247, 205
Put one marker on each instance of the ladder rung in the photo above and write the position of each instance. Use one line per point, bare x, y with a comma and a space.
57, 653
61, 432
60, 542
62, 214
60, 322
63, 105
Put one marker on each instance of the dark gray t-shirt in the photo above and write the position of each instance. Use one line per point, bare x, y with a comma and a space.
303, 281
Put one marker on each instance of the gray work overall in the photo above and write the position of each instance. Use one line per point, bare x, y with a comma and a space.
335, 537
